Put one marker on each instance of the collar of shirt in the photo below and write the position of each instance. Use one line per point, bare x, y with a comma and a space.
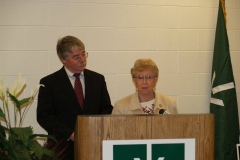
70, 74
72, 79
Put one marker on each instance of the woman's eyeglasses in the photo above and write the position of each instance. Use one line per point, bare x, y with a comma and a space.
146, 77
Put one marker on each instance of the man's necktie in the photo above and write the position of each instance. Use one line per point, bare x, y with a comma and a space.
78, 90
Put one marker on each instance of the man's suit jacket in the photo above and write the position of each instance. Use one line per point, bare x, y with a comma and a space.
58, 106
131, 104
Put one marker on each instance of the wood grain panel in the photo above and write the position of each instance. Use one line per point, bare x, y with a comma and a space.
91, 130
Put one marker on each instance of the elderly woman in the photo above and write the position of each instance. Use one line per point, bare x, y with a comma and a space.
145, 99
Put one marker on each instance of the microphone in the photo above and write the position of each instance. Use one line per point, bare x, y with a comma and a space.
163, 111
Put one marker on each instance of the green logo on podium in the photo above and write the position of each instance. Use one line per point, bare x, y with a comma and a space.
129, 152
174, 151
168, 151
151, 149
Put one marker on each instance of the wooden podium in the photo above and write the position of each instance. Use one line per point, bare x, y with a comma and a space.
91, 130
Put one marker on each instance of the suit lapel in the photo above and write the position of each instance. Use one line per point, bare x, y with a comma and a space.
135, 104
159, 103
88, 86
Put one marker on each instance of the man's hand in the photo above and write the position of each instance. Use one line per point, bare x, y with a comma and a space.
72, 137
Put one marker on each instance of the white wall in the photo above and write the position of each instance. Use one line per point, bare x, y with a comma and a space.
177, 34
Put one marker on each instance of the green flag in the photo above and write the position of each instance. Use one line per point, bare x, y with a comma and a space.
223, 94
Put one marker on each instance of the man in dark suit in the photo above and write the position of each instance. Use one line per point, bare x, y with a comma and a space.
58, 105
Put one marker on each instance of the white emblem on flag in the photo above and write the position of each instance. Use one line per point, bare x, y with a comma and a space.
220, 88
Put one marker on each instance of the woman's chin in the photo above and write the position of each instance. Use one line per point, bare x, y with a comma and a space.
144, 92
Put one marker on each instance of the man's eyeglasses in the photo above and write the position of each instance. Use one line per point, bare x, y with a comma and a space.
83, 55
147, 78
